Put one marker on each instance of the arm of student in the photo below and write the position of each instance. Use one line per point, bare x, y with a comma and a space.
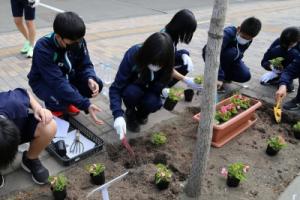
121, 80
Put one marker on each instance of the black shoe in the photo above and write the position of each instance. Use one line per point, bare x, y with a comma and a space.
142, 116
294, 104
2, 182
290, 88
131, 122
39, 173
142, 120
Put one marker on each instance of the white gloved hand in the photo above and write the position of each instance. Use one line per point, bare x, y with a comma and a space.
120, 126
33, 3
268, 76
188, 61
189, 81
165, 92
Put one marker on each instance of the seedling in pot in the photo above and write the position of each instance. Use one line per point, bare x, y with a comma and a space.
163, 177
96, 171
175, 94
277, 63
236, 172
58, 186
296, 129
275, 144
158, 138
198, 79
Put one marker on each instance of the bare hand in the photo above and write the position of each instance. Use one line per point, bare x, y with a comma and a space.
280, 93
92, 110
94, 87
43, 115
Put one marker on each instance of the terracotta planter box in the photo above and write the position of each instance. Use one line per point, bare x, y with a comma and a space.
226, 131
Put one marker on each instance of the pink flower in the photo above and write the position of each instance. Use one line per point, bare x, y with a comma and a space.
223, 109
246, 168
224, 171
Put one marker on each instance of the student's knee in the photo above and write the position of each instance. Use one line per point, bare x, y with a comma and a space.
151, 103
132, 94
245, 77
47, 131
18, 21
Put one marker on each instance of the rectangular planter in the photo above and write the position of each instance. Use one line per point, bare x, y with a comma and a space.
226, 131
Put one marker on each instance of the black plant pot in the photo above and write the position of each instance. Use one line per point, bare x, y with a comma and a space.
232, 181
297, 135
98, 179
162, 185
59, 195
188, 95
170, 104
270, 151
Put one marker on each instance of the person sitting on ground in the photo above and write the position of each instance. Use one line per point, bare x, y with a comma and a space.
62, 74
181, 28
282, 48
144, 71
18, 126
292, 71
236, 40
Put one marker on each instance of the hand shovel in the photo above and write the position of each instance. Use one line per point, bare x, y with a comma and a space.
127, 146
277, 111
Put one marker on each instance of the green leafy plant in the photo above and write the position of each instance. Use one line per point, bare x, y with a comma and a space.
58, 183
158, 138
176, 94
162, 174
95, 169
198, 79
296, 127
240, 101
237, 170
277, 143
277, 63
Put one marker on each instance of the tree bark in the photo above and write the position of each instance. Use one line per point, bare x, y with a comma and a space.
205, 128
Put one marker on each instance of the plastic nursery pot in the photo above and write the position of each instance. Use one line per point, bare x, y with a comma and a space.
270, 151
59, 195
162, 185
297, 135
188, 95
232, 181
169, 104
98, 179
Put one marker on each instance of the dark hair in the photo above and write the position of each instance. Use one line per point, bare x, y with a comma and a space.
158, 50
69, 25
289, 36
251, 26
182, 26
9, 142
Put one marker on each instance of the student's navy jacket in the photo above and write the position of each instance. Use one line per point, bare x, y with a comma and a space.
291, 72
275, 51
128, 73
54, 66
14, 105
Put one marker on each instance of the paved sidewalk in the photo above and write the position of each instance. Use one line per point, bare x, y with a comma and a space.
107, 43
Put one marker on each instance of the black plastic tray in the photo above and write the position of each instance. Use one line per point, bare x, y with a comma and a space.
75, 124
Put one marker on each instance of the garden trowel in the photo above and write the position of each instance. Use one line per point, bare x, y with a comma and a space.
127, 146
277, 111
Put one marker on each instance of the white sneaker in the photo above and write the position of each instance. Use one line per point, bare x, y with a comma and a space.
30, 52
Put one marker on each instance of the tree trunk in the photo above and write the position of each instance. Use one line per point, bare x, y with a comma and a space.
205, 128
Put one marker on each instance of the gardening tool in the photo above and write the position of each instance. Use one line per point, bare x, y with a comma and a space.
277, 110
127, 146
77, 146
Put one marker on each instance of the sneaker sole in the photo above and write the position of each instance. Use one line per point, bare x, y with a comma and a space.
28, 170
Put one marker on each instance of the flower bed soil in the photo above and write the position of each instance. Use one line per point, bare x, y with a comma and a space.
267, 178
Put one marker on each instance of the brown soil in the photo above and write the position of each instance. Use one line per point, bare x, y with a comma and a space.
267, 178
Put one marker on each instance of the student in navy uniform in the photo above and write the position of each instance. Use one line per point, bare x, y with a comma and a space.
27, 7
18, 126
292, 71
281, 47
62, 74
181, 28
144, 71
236, 40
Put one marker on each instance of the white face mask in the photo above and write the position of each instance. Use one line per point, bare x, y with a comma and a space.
154, 68
292, 46
241, 40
